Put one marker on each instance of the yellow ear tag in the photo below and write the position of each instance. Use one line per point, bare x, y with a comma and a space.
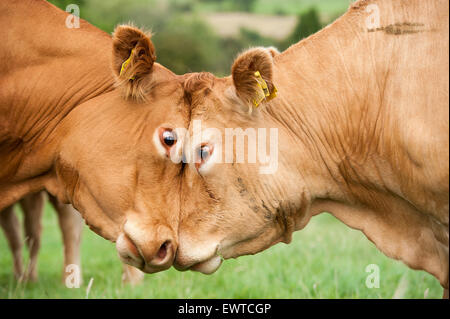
260, 97
263, 91
273, 94
125, 64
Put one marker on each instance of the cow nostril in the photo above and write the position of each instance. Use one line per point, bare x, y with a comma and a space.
162, 252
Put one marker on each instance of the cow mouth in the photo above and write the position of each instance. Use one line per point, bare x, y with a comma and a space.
206, 265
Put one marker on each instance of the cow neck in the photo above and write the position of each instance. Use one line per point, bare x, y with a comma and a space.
61, 69
329, 98
316, 103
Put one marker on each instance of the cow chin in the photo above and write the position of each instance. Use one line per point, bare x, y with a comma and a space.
209, 266
198, 256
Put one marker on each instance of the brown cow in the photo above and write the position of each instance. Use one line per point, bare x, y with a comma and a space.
362, 126
85, 115
70, 223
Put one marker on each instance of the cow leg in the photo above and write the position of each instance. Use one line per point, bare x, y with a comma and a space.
11, 227
131, 275
71, 225
33, 206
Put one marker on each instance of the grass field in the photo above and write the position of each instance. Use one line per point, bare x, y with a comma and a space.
325, 260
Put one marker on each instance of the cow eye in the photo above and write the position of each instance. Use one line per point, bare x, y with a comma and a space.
168, 138
203, 154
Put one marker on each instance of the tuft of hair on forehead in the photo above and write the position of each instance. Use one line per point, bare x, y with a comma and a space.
197, 86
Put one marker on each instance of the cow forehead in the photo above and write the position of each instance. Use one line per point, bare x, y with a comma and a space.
198, 88
205, 95
165, 90
194, 83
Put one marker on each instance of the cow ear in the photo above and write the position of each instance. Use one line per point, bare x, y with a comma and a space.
252, 74
133, 58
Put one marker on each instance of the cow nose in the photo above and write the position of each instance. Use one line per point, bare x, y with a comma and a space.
150, 256
162, 252
161, 258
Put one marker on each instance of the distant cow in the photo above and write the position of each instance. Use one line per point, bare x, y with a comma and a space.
32, 206
361, 115
70, 223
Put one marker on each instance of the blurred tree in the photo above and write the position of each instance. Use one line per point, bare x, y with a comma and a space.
62, 4
235, 5
253, 38
308, 23
246, 5
188, 45
182, 5
232, 46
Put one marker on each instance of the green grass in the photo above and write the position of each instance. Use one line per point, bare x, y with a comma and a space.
325, 260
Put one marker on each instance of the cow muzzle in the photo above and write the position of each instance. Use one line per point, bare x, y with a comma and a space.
148, 254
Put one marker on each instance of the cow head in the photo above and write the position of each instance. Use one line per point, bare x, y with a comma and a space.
113, 162
231, 190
